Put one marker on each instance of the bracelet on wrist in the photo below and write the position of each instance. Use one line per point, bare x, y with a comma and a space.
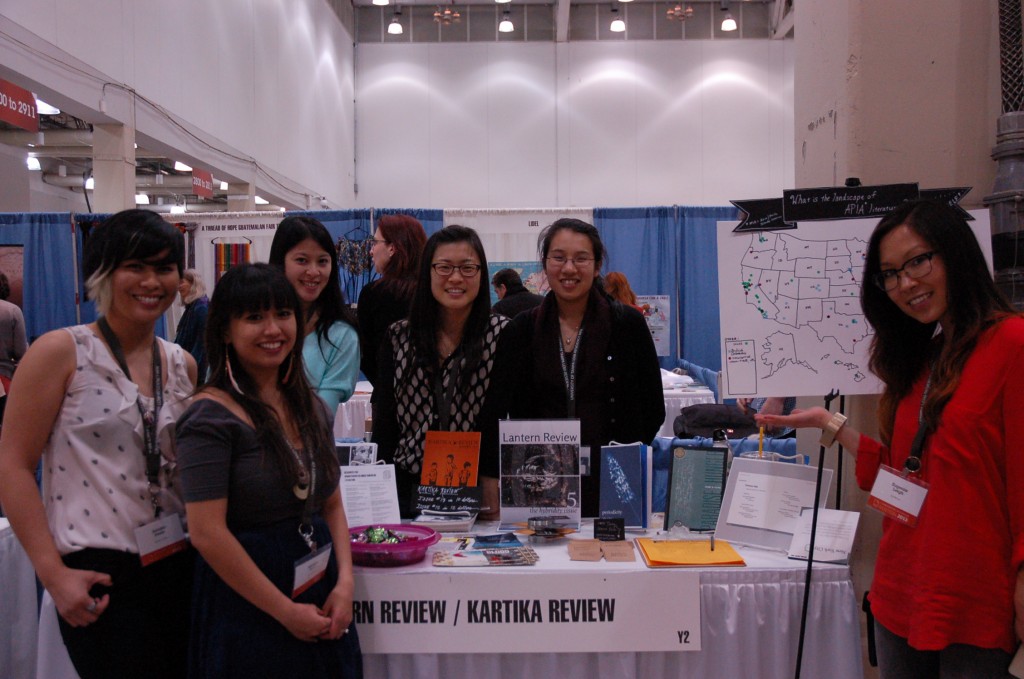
831, 429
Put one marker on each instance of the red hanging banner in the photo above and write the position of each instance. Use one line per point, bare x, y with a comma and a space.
18, 107
202, 183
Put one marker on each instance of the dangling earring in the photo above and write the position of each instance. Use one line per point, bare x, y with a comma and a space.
288, 373
231, 377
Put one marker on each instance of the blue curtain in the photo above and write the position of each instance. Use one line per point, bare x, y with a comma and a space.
672, 251
698, 288
48, 283
642, 243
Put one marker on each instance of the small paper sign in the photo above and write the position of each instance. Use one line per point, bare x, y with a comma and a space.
833, 540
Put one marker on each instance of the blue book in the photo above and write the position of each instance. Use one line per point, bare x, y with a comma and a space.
624, 479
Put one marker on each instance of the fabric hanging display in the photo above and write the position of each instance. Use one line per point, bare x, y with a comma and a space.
227, 255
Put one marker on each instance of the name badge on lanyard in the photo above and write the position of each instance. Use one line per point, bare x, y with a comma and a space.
898, 496
160, 538
310, 569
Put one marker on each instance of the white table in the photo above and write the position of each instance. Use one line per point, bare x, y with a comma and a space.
350, 420
679, 398
17, 608
750, 625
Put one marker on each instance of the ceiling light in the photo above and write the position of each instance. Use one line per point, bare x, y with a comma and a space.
33, 164
677, 13
506, 25
502, 2
44, 109
381, 3
618, 25
395, 27
141, 199
262, 201
177, 209
447, 16
728, 23
223, 186
90, 183
181, 167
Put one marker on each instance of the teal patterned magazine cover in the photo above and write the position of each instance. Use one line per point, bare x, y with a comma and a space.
624, 484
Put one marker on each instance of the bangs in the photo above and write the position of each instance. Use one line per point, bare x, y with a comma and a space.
154, 246
262, 292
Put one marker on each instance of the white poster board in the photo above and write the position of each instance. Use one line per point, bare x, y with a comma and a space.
657, 311
791, 321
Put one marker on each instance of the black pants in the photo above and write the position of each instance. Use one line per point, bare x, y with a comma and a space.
144, 630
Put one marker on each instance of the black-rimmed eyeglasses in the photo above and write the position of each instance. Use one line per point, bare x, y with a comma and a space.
467, 270
915, 267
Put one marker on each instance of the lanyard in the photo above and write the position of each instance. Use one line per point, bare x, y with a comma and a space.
912, 464
569, 373
443, 397
149, 418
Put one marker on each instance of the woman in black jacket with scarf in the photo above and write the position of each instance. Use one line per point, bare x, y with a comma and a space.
582, 355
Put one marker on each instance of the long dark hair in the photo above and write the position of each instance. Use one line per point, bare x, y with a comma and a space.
248, 288
902, 347
405, 233
330, 305
576, 226
425, 310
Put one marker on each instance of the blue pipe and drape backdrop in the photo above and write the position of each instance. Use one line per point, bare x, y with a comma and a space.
672, 251
662, 250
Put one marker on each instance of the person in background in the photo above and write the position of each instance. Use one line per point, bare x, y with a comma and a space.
192, 326
303, 249
582, 355
442, 368
260, 478
948, 592
513, 297
13, 343
97, 403
770, 405
397, 246
617, 285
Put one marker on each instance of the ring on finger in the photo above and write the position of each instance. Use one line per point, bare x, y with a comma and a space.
91, 607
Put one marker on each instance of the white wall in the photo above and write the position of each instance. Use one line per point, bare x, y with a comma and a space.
266, 80
578, 124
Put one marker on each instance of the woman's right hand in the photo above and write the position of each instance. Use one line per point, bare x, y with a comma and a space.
306, 622
70, 592
816, 417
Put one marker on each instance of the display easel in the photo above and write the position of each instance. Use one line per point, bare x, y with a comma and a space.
829, 397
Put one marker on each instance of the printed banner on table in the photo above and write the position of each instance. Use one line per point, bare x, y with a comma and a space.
527, 613
657, 311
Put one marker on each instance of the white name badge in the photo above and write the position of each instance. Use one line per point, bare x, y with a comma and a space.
160, 538
898, 497
310, 569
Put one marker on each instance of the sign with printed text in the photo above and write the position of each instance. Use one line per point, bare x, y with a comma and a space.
18, 107
527, 613
202, 183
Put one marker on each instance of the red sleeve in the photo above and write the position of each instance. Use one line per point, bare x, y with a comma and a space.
1013, 440
870, 455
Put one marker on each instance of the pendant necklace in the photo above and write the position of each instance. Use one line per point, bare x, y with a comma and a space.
301, 487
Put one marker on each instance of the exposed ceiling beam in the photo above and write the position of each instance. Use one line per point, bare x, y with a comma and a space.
84, 152
562, 20
782, 21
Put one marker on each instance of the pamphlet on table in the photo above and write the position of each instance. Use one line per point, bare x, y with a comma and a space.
625, 484
833, 540
449, 496
369, 494
695, 487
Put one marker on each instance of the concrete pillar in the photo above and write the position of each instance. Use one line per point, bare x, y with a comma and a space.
241, 197
113, 168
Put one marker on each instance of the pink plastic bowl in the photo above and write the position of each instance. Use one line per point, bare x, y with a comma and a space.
418, 538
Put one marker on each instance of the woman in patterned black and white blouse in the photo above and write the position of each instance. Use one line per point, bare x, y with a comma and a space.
443, 368
98, 403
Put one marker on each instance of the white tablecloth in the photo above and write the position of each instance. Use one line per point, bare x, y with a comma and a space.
676, 399
750, 625
350, 420
17, 608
